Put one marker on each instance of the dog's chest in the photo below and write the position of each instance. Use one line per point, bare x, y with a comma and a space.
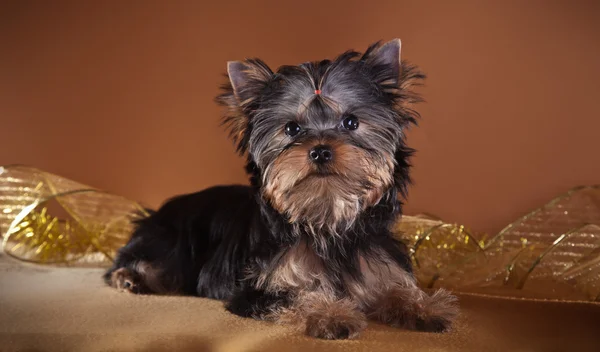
378, 275
299, 268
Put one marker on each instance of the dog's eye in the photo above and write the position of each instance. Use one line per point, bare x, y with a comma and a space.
350, 123
292, 128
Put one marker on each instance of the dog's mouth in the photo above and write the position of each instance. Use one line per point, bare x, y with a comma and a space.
323, 171
317, 174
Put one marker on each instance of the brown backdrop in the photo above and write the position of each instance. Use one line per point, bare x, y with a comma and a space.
118, 95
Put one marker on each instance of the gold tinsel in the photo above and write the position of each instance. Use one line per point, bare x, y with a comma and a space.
48, 219
552, 252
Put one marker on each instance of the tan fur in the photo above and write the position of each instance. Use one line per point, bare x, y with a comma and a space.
294, 187
411, 308
325, 316
299, 269
287, 170
141, 276
331, 319
399, 307
152, 279
237, 121
332, 104
386, 293
378, 171
442, 305
378, 277
304, 106
390, 294
410, 78
123, 280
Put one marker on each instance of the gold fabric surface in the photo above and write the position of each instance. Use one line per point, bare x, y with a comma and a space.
49, 308
552, 252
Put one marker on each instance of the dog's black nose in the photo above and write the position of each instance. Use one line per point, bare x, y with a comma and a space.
321, 154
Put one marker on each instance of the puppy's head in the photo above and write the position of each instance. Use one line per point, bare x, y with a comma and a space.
327, 136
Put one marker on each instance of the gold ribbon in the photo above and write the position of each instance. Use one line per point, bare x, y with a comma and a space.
552, 252
88, 228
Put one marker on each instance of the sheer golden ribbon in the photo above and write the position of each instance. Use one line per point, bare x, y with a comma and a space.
48, 219
552, 252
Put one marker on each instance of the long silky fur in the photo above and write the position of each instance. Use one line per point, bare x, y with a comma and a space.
246, 245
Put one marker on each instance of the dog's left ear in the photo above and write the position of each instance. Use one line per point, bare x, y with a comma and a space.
385, 59
395, 77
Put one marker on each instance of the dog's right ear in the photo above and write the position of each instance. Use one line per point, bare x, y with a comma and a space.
247, 79
241, 96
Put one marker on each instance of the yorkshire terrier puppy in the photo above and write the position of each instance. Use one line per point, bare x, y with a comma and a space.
310, 240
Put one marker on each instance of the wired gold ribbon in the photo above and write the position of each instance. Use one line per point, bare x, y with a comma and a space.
552, 252
48, 219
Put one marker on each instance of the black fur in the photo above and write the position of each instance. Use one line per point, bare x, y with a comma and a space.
215, 242
203, 242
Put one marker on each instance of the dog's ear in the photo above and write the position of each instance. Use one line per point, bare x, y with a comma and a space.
241, 96
247, 79
396, 77
386, 60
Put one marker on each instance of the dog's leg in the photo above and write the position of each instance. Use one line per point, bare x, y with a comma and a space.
136, 277
388, 292
125, 280
149, 263
257, 304
330, 318
411, 308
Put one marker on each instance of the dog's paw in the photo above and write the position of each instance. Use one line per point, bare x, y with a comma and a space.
335, 327
240, 306
433, 324
437, 312
125, 281
414, 310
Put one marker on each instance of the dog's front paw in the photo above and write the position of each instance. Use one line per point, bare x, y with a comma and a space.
257, 304
335, 327
240, 306
125, 281
412, 309
437, 312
